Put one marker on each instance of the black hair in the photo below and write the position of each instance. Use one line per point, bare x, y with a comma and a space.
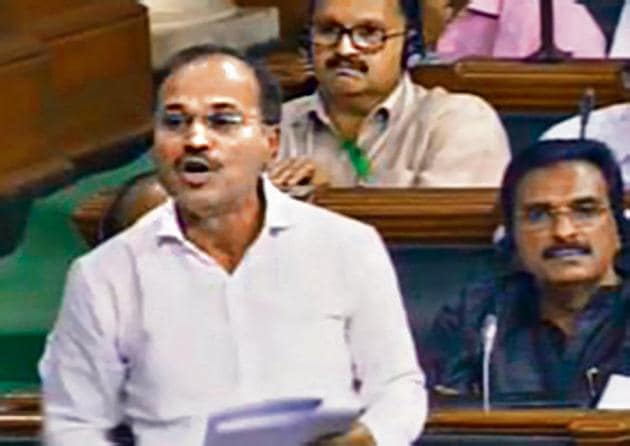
414, 49
270, 91
550, 152
112, 221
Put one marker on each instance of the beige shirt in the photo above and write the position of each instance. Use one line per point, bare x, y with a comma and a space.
416, 137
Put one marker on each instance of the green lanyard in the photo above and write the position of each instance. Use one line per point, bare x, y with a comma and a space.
359, 160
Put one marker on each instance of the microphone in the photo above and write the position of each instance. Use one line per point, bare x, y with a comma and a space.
488, 333
586, 107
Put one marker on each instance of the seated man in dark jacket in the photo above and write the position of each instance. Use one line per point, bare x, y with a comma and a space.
562, 298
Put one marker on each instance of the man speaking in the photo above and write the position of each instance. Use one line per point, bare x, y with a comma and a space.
231, 292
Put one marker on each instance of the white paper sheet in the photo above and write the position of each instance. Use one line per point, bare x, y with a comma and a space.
287, 422
616, 394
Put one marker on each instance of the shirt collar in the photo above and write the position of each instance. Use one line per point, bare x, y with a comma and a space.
277, 213
393, 105
391, 108
168, 226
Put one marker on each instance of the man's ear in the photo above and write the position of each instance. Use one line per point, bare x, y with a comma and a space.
272, 135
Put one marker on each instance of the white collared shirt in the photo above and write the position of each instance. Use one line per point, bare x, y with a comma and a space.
415, 138
621, 41
610, 125
153, 331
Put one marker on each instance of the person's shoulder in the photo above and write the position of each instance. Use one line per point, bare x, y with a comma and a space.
444, 101
616, 111
313, 215
482, 289
295, 109
477, 299
497, 290
316, 219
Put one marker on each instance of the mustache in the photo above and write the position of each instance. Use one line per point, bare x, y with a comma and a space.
338, 61
556, 251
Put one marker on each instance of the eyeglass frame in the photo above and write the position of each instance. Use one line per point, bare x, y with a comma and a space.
568, 210
190, 118
344, 30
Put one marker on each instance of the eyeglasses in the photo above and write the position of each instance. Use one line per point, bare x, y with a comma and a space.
363, 37
583, 214
221, 122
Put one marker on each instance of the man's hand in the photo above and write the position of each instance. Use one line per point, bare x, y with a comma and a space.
291, 172
358, 435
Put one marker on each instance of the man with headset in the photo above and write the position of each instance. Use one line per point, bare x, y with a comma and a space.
560, 296
368, 123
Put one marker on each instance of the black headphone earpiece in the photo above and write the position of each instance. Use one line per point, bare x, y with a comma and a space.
304, 44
